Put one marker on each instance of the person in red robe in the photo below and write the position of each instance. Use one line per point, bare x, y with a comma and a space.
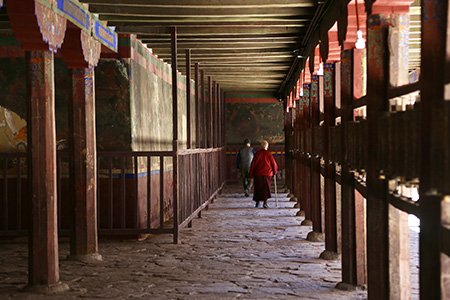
262, 169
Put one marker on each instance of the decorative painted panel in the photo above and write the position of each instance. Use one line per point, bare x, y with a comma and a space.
91, 49
104, 34
75, 12
52, 25
328, 80
255, 121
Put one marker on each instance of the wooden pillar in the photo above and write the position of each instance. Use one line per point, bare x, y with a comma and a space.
307, 158
317, 234
197, 107
352, 208
298, 178
83, 166
399, 244
224, 118
175, 133
188, 98
216, 113
210, 113
202, 96
304, 196
377, 206
43, 232
434, 146
331, 241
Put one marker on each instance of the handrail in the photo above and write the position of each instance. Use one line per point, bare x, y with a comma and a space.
399, 91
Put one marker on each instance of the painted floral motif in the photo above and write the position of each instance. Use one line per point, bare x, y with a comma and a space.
328, 80
52, 25
91, 47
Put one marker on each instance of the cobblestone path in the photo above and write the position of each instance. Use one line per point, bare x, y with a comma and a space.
235, 251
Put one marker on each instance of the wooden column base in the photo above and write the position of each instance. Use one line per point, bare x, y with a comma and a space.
316, 236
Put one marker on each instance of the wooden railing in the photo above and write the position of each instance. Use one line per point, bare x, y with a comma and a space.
134, 190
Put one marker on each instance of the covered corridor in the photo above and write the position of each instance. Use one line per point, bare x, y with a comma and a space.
122, 119
234, 251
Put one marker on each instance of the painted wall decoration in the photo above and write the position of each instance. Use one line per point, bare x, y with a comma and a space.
13, 131
13, 96
255, 117
52, 25
113, 116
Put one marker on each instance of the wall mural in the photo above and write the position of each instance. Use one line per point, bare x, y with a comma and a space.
255, 121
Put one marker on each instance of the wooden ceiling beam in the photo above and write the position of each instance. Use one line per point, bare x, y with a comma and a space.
198, 31
221, 38
224, 46
180, 11
231, 52
216, 41
206, 3
203, 23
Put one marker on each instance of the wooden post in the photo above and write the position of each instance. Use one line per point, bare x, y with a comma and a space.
210, 113
331, 241
352, 208
317, 234
188, 98
434, 265
307, 160
303, 168
224, 118
197, 107
216, 113
43, 233
83, 166
175, 133
202, 96
377, 206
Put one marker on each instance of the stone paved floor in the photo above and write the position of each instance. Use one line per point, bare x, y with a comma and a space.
235, 251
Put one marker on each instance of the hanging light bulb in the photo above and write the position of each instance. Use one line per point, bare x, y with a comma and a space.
287, 109
360, 41
294, 104
320, 71
301, 92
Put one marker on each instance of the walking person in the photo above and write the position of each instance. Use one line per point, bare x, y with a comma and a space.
244, 160
262, 169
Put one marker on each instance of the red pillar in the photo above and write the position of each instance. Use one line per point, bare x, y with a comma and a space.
352, 206
175, 132
303, 177
317, 234
83, 166
197, 106
331, 242
43, 233
202, 97
377, 206
210, 113
434, 149
307, 158
188, 98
